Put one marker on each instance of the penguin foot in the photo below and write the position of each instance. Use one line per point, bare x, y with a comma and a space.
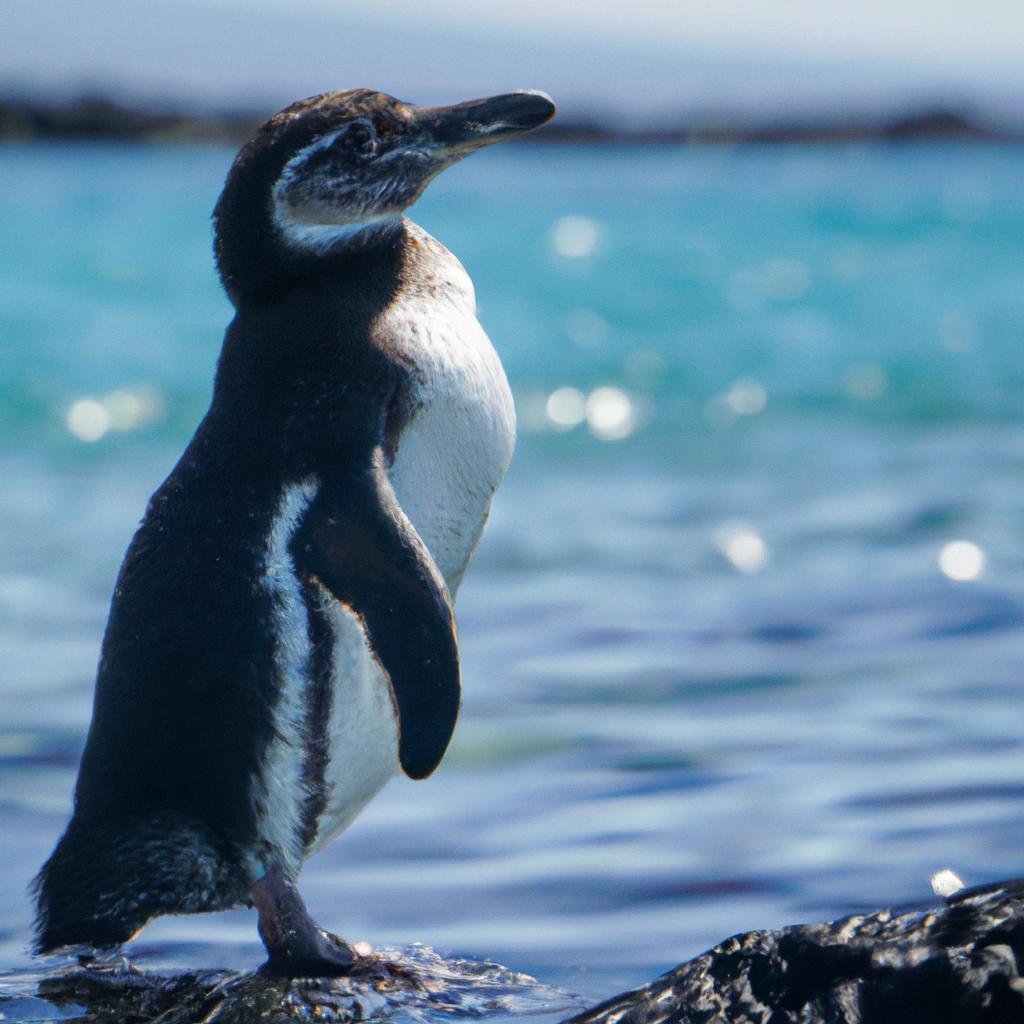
297, 947
318, 955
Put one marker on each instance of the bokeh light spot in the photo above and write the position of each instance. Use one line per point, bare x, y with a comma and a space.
565, 408
962, 560
742, 546
125, 409
88, 420
574, 237
746, 397
610, 414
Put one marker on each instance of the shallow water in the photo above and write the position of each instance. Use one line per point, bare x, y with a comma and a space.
417, 986
715, 678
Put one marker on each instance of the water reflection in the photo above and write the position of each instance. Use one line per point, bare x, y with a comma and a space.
962, 560
574, 237
566, 408
745, 397
742, 546
610, 414
91, 419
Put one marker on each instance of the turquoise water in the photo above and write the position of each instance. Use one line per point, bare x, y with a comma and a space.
715, 676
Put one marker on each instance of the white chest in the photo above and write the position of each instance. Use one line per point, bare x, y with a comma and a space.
454, 451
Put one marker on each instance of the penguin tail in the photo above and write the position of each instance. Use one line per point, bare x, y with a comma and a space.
106, 879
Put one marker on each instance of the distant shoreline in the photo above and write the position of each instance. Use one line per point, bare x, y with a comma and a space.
100, 119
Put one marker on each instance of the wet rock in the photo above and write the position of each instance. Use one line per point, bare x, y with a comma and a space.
960, 964
416, 984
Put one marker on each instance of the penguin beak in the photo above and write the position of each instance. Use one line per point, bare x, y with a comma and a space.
463, 127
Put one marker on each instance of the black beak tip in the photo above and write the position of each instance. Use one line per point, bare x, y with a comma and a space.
464, 127
534, 107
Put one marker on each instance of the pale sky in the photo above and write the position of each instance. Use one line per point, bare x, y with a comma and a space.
933, 31
641, 58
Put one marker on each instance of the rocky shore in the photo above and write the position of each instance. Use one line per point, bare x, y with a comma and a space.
961, 962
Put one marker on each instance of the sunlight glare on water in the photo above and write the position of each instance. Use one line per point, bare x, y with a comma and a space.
574, 237
962, 560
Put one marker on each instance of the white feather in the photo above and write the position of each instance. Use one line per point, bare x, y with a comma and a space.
280, 789
363, 730
323, 238
455, 451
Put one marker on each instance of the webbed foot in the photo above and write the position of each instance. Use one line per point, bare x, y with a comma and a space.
297, 947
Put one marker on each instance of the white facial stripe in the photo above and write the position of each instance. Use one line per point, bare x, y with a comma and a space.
322, 238
294, 166
324, 142
307, 227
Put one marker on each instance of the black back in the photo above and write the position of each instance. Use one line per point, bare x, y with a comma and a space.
186, 682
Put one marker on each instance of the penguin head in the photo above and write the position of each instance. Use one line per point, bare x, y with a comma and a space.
334, 173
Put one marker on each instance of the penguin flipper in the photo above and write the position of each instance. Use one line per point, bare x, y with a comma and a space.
358, 543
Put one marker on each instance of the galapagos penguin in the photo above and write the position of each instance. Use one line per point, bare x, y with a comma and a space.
281, 640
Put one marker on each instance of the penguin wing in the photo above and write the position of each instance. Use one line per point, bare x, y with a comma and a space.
356, 540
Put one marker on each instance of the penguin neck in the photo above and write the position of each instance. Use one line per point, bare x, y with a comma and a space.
326, 240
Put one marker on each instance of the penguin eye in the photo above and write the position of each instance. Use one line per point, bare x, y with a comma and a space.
359, 140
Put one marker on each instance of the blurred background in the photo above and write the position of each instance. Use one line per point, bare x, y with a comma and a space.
742, 642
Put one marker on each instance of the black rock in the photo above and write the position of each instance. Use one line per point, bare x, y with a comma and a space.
962, 963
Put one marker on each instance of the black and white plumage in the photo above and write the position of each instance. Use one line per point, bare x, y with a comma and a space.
281, 640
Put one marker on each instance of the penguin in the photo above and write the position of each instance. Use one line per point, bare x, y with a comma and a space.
281, 640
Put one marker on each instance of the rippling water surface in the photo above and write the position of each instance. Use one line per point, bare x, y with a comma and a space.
722, 668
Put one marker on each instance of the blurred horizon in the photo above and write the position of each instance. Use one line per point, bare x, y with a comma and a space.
634, 65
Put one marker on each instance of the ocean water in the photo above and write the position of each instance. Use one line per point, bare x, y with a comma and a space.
743, 642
